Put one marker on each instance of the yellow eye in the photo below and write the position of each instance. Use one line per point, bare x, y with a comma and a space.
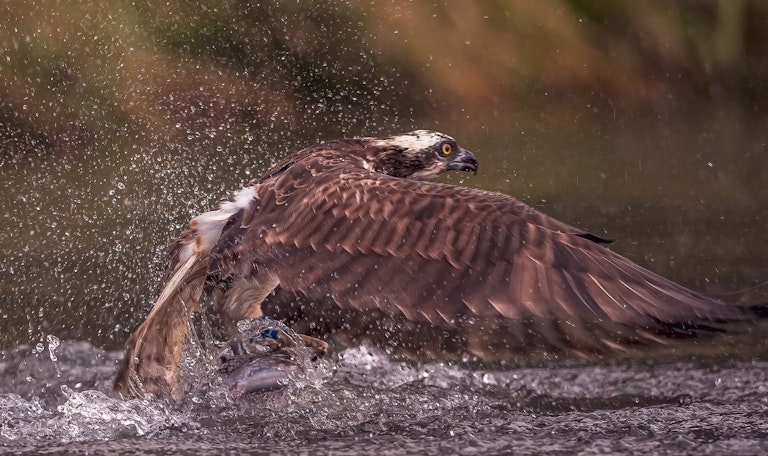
446, 149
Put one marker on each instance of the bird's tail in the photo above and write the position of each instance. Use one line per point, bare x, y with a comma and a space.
153, 352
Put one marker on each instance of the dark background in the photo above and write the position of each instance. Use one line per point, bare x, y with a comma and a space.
644, 122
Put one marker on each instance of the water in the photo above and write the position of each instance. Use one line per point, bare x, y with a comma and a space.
82, 262
118, 123
80, 270
360, 401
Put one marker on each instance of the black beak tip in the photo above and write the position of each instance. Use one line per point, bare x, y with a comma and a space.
465, 161
469, 163
471, 166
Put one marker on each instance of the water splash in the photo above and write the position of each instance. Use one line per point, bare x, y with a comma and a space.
84, 416
361, 401
268, 355
52, 398
53, 344
94, 415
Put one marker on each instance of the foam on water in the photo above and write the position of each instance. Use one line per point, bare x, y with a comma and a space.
46, 398
361, 401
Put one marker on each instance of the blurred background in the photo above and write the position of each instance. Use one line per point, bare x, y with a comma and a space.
645, 122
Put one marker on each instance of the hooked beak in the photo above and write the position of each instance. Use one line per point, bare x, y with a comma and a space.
464, 161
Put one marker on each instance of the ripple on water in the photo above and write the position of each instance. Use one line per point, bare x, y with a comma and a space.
362, 402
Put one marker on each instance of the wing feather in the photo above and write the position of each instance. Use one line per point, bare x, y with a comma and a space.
424, 238
483, 248
369, 236
467, 243
441, 254
476, 271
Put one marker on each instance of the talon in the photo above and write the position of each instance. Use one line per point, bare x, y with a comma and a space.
316, 345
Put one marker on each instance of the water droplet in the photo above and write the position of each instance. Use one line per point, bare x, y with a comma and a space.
53, 344
489, 379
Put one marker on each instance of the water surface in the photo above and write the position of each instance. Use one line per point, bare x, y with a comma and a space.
360, 401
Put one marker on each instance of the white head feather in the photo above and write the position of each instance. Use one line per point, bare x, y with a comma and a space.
415, 140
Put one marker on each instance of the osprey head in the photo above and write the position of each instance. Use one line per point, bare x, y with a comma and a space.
420, 154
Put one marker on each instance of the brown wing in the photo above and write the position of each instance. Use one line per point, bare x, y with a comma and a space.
449, 255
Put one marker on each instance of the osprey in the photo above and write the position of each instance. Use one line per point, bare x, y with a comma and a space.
434, 269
